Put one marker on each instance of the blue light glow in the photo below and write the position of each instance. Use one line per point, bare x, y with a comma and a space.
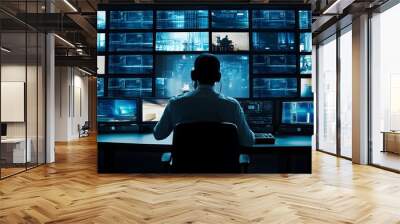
101, 20
305, 64
305, 19
131, 42
230, 19
131, 19
116, 110
274, 19
130, 64
274, 87
129, 87
305, 42
101, 42
274, 41
182, 41
298, 112
281, 64
182, 19
306, 88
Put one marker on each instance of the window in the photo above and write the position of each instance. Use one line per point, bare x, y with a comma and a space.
327, 98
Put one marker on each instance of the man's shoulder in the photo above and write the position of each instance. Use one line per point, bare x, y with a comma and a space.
229, 100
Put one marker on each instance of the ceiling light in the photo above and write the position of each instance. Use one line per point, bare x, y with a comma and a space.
70, 5
64, 40
5, 50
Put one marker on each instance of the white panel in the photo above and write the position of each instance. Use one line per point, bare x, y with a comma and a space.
12, 101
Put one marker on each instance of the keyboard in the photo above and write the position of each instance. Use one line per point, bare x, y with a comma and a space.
264, 138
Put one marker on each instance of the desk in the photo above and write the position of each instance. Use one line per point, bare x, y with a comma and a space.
141, 153
391, 141
13, 150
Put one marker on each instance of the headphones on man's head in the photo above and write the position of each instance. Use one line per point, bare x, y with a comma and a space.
213, 72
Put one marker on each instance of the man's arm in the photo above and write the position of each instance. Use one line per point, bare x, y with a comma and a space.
164, 127
246, 136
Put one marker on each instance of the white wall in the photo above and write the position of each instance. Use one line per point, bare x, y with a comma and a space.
71, 102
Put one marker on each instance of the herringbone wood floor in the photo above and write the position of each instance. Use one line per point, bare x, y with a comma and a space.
70, 191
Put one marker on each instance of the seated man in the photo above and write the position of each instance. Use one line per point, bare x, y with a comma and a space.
204, 104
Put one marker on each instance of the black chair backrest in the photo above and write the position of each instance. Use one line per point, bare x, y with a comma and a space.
206, 147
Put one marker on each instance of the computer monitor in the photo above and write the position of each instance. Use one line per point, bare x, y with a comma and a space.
152, 109
182, 19
274, 87
3, 130
259, 114
298, 113
173, 74
116, 110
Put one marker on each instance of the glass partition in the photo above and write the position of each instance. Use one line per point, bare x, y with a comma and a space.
346, 93
385, 89
326, 99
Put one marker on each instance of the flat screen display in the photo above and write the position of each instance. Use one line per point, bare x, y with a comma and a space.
182, 41
274, 19
182, 19
101, 62
274, 41
305, 64
230, 19
100, 87
131, 19
101, 42
298, 113
116, 110
306, 88
305, 19
130, 42
230, 41
152, 109
130, 87
276, 64
305, 42
101, 20
173, 74
130, 64
274, 87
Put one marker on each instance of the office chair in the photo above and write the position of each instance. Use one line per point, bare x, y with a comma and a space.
206, 147
84, 129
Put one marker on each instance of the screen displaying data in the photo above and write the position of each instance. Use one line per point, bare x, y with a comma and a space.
274, 87
301, 112
182, 19
100, 87
173, 75
306, 88
276, 64
131, 19
274, 41
230, 41
230, 19
130, 42
129, 87
305, 42
182, 41
305, 64
152, 109
101, 42
130, 64
274, 19
116, 110
101, 20
305, 19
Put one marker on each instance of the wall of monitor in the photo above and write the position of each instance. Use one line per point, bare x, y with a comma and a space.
146, 53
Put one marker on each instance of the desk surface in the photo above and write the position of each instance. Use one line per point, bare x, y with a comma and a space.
292, 141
